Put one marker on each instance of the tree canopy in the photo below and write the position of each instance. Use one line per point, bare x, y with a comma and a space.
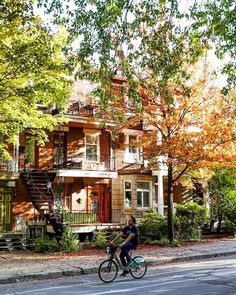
217, 21
33, 72
153, 44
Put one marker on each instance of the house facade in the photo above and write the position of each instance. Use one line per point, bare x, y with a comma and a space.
79, 171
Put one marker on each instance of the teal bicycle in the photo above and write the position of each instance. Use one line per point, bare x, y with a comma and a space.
109, 268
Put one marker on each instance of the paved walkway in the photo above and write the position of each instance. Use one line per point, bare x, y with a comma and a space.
25, 265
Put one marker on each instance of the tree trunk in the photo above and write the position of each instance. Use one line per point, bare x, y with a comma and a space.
170, 205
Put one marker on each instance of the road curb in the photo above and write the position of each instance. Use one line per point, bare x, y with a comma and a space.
93, 270
189, 258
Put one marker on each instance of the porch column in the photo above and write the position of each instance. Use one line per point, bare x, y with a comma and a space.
160, 193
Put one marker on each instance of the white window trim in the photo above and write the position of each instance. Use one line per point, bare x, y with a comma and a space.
124, 190
145, 190
128, 156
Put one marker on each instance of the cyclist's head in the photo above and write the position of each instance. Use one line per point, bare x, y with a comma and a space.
132, 221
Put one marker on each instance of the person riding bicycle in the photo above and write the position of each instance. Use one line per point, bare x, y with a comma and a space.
131, 242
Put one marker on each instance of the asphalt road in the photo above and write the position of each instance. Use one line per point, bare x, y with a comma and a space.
208, 277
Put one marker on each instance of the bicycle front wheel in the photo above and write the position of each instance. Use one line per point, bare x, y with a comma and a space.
107, 271
140, 269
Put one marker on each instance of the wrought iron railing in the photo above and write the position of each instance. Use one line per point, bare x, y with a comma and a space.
82, 109
93, 163
80, 217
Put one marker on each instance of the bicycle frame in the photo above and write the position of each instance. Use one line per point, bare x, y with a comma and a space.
113, 256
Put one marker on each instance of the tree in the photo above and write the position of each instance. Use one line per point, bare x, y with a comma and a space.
222, 192
192, 132
149, 43
217, 21
33, 73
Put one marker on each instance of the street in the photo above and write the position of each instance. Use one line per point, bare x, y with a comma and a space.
208, 277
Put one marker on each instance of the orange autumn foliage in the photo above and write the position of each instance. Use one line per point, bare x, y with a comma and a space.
194, 131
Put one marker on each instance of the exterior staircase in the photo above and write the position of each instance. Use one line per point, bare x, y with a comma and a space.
40, 189
11, 242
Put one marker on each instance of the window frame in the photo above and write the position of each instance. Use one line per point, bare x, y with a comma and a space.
127, 190
142, 191
97, 156
129, 157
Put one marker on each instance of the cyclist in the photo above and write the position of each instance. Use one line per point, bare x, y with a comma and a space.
131, 242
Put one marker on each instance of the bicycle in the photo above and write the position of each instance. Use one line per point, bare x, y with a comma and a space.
108, 269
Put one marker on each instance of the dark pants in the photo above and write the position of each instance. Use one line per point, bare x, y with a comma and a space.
125, 253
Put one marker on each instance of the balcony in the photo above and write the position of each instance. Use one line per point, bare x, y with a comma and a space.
8, 166
82, 109
90, 166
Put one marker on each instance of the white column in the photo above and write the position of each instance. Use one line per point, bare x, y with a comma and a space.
160, 193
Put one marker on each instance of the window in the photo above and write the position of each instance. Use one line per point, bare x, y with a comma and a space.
59, 141
92, 143
128, 195
143, 194
132, 153
30, 151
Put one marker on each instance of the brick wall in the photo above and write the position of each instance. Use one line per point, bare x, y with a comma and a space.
22, 205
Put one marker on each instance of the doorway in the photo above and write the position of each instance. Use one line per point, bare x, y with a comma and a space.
5, 210
98, 201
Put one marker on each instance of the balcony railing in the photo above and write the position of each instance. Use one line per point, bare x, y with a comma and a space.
8, 166
80, 217
93, 163
81, 109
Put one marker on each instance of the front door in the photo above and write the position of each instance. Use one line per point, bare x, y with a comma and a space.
97, 201
5, 210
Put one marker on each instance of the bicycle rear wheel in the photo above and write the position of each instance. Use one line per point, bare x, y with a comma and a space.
140, 269
108, 270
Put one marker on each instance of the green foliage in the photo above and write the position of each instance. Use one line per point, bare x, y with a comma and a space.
217, 20
46, 245
33, 71
129, 38
152, 228
189, 220
100, 240
69, 241
222, 193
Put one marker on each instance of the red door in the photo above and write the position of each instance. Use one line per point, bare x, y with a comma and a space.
98, 201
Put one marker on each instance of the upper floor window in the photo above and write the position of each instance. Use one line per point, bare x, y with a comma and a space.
92, 147
132, 152
143, 194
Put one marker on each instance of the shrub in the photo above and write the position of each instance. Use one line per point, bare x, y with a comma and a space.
100, 240
152, 228
222, 192
46, 245
69, 242
188, 221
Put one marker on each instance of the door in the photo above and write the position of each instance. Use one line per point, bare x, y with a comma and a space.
5, 210
97, 200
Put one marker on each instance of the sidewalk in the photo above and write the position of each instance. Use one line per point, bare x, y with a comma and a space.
26, 265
